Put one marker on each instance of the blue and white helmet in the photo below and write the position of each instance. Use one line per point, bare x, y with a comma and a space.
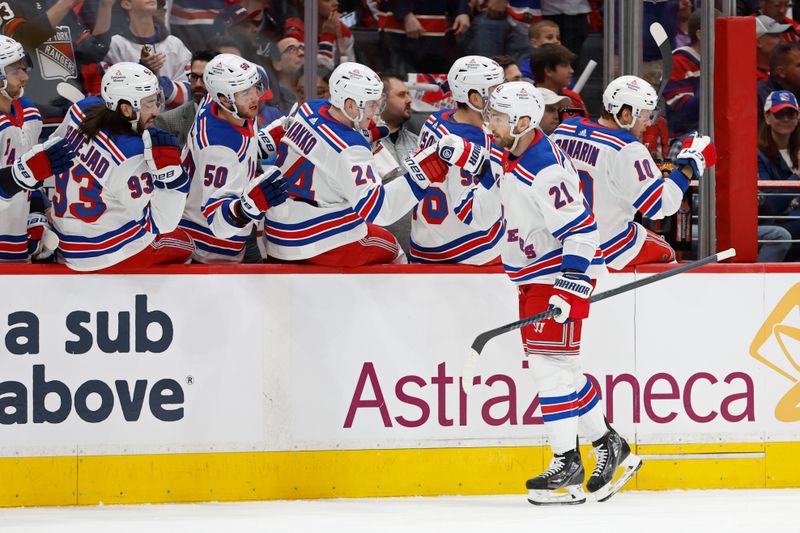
10, 52
131, 83
357, 82
228, 74
631, 91
473, 73
516, 99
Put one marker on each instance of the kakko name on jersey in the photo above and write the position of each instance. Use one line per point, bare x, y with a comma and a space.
335, 189
222, 159
19, 131
619, 177
437, 234
106, 208
548, 228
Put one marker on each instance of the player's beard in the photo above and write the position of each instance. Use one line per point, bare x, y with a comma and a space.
504, 142
143, 125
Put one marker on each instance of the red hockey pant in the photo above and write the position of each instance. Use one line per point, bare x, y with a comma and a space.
171, 248
378, 247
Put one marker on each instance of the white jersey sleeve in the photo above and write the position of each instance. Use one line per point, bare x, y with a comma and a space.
637, 177
224, 180
480, 205
360, 185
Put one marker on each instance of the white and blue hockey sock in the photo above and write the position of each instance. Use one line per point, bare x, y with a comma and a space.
592, 423
560, 415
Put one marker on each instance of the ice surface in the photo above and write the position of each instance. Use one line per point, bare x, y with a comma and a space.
711, 511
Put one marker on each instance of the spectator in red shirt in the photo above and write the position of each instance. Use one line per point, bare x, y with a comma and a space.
551, 66
335, 41
420, 35
777, 9
768, 35
656, 136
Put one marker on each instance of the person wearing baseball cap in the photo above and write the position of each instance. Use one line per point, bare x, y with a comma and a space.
553, 103
778, 135
778, 147
768, 35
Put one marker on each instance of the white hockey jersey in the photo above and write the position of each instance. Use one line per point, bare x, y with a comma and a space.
619, 177
19, 131
549, 226
437, 234
335, 189
106, 208
222, 159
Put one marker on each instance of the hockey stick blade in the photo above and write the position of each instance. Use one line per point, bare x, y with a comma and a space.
69, 92
471, 364
660, 37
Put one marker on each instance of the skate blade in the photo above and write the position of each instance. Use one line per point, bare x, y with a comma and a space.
624, 473
572, 495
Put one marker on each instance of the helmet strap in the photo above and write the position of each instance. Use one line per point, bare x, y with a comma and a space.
518, 136
469, 105
479, 110
357, 120
3, 88
231, 108
134, 122
625, 126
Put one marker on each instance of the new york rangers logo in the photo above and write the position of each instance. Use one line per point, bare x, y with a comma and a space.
57, 56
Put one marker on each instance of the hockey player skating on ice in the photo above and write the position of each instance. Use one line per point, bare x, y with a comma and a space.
437, 234
551, 252
22, 222
121, 201
338, 202
619, 177
229, 193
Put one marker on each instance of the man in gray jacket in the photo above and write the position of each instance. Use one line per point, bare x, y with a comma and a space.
178, 121
400, 142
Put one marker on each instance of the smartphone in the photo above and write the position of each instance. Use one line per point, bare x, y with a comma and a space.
348, 19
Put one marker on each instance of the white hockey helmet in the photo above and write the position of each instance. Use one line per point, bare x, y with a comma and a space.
131, 83
516, 99
473, 73
228, 74
359, 83
631, 91
10, 52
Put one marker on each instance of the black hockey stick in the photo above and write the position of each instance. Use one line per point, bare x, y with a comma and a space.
470, 365
660, 37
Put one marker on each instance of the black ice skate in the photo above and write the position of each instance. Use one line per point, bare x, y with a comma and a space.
561, 483
615, 466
